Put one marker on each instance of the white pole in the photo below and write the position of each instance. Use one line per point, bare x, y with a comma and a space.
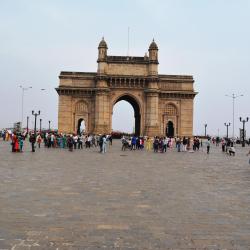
22, 107
128, 43
233, 96
233, 114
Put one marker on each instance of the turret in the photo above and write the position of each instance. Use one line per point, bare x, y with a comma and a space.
153, 52
153, 59
102, 57
102, 51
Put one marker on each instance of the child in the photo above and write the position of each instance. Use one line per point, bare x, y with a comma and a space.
247, 155
231, 151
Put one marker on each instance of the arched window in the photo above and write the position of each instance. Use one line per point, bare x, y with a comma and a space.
81, 107
170, 109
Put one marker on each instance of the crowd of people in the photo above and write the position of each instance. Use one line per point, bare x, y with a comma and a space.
74, 141
56, 140
160, 144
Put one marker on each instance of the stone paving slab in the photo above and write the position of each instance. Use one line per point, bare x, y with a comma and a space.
54, 199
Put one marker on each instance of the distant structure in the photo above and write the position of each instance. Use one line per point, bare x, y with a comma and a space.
163, 104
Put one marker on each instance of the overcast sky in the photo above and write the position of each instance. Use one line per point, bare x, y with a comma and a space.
208, 39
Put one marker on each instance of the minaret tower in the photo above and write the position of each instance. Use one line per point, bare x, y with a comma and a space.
152, 93
102, 56
102, 114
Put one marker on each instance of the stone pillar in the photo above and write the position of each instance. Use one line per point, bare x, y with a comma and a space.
102, 112
186, 117
152, 125
65, 114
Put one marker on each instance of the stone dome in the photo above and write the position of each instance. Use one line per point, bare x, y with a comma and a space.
102, 44
153, 45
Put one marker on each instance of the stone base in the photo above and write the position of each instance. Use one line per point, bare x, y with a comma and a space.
152, 131
101, 129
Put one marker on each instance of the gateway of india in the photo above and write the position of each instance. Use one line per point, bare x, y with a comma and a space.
163, 104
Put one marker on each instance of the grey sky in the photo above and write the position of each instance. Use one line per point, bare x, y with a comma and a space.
209, 39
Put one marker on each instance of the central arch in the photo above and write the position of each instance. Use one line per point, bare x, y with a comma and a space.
81, 126
136, 107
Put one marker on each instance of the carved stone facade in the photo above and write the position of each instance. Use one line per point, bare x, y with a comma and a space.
163, 104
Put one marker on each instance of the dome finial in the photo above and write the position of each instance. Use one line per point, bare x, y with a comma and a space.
103, 44
153, 45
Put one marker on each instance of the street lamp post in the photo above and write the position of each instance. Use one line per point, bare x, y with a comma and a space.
233, 96
23, 89
243, 136
35, 114
49, 125
27, 124
40, 125
227, 125
205, 129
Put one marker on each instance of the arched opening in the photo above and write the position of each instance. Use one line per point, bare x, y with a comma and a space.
170, 129
81, 126
125, 114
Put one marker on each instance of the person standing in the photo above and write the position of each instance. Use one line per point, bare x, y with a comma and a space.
124, 142
208, 145
101, 142
32, 141
223, 145
88, 141
13, 142
20, 139
110, 140
39, 140
104, 144
80, 141
165, 142
178, 144
184, 142
52, 140
70, 142
75, 139
148, 144
133, 143
156, 144
249, 158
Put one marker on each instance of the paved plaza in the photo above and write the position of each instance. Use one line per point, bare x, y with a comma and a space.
54, 199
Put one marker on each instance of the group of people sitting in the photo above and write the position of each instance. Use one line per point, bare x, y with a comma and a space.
227, 146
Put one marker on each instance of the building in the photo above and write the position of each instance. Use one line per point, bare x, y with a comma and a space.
163, 104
